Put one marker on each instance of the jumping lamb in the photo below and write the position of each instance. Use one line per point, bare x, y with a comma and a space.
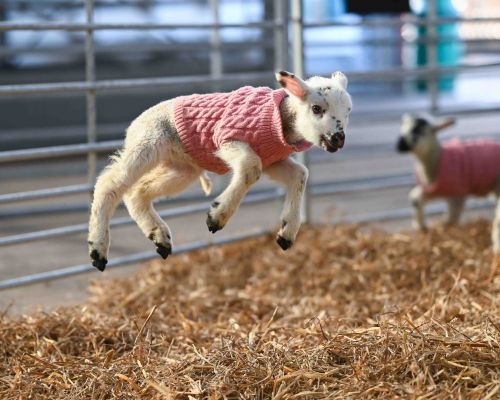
451, 170
246, 132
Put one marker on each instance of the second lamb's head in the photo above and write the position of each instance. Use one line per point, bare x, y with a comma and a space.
321, 107
419, 132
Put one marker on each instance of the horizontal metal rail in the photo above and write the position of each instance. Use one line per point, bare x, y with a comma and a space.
45, 193
200, 46
428, 39
58, 151
341, 186
104, 146
359, 185
422, 72
402, 213
70, 26
63, 132
348, 186
72, 87
14, 136
81, 228
113, 145
121, 261
72, 4
396, 22
141, 83
85, 187
316, 188
131, 48
148, 255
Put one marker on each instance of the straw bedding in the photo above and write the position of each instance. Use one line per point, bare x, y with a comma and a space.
349, 312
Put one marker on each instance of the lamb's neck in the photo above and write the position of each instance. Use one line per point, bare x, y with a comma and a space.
429, 161
288, 122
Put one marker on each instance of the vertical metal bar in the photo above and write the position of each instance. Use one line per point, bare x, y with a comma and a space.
216, 70
432, 56
215, 42
298, 65
3, 34
90, 93
297, 38
281, 58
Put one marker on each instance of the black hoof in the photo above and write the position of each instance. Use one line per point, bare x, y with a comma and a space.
285, 244
164, 250
98, 261
213, 226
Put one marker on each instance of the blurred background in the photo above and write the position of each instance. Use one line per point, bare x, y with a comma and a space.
74, 73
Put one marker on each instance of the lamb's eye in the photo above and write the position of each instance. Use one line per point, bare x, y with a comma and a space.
316, 109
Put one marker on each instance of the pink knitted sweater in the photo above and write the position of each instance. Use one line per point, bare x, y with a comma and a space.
251, 115
470, 167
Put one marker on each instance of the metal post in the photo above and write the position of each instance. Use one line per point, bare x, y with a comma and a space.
298, 65
216, 69
215, 42
297, 38
3, 34
432, 60
281, 59
90, 93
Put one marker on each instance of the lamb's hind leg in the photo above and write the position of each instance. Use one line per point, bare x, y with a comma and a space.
124, 170
164, 180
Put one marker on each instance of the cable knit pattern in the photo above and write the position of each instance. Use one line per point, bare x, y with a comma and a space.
470, 167
251, 115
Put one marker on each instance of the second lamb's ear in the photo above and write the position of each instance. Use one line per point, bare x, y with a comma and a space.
406, 118
443, 122
340, 78
292, 84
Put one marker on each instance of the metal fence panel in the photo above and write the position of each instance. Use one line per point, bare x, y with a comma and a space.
280, 44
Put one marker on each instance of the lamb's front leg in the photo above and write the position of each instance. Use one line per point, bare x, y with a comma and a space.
455, 208
246, 167
294, 176
417, 201
495, 236
495, 230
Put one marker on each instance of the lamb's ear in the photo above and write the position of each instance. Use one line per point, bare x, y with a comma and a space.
406, 118
443, 122
407, 121
292, 84
340, 78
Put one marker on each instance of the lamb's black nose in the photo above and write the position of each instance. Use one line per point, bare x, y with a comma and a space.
402, 145
340, 139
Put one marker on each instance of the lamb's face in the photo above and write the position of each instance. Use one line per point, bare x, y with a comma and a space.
418, 132
321, 106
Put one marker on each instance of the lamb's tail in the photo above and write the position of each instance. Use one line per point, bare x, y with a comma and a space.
206, 183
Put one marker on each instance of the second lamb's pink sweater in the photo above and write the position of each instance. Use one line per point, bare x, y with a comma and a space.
466, 168
251, 115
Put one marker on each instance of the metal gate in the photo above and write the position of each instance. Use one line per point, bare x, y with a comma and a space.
288, 29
